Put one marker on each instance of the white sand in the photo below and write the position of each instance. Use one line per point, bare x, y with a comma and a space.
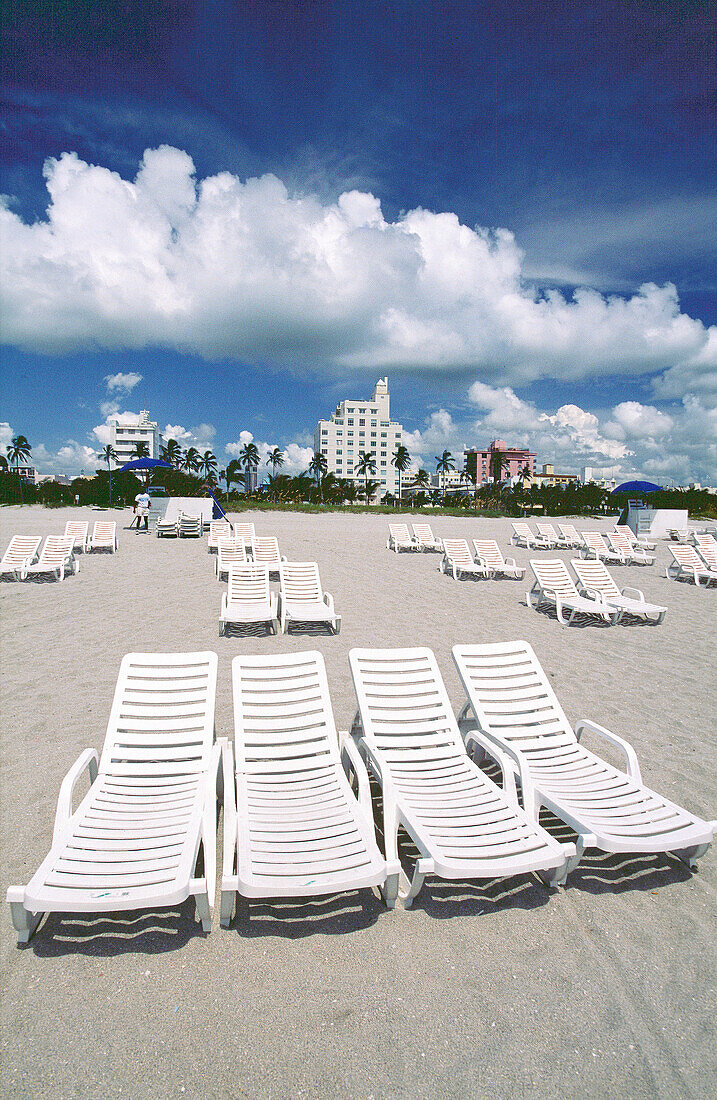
500, 989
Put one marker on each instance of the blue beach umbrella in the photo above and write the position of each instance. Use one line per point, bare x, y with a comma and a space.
144, 464
637, 487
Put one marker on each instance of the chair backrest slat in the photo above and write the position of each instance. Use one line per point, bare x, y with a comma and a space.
489, 551
553, 573
20, 548
265, 549
248, 583
457, 550
300, 582
595, 575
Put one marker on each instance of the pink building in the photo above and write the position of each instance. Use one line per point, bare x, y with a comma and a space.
515, 461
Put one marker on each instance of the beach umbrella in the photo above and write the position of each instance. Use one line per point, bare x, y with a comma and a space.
144, 464
637, 487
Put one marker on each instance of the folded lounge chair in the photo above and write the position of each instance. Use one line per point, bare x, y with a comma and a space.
517, 711
301, 598
688, 565
248, 599
462, 823
554, 586
265, 551
230, 551
168, 527
57, 559
632, 553
80, 533
523, 536
292, 825
104, 536
490, 556
134, 840
399, 538
596, 582
425, 539
190, 527
458, 560
594, 546
218, 529
21, 552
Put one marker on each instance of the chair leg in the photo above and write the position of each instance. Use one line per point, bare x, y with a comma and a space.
24, 922
689, 856
204, 911
390, 889
411, 890
226, 907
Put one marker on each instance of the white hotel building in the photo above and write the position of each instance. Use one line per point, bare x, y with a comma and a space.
125, 435
357, 426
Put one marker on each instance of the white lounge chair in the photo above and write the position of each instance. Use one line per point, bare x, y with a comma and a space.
301, 598
706, 547
554, 586
458, 560
190, 527
633, 554
688, 565
265, 551
230, 551
168, 527
292, 825
21, 552
517, 711
490, 556
523, 536
248, 599
80, 532
399, 538
425, 539
244, 531
548, 532
134, 840
594, 546
678, 534
596, 582
104, 536
57, 559
218, 529
572, 539
633, 539
462, 823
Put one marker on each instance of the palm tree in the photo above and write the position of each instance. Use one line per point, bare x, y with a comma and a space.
401, 460
498, 460
172, 453
3, 464
19, 450
140, 450
366, 465
422, 479
370, 488
249, 460
233, 473
191, 460
109, 455
318, 467
443, 465
275, 459
208, 466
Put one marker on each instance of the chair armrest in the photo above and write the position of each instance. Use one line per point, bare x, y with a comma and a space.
350, 756
507, 764
224, 604
637, 592
633, 766
209, 818
388, 799
329, 601
230, 809
511, 563
87, 759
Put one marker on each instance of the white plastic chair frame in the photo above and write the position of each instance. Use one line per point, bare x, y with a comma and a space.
548, 532
463, 824
57, 559
554, 586
523, 536
633, 555
516, 709
248, 598
424, 537
594, 546
168, 528
572, 539
596, 582
633, 539
245, 532
21, 552
706, 547
190, 527
292, 824
104, 536
218, 529
230, 551
490, 556
399, 538
265, 551
134, 840
80, 532
302, 599
688, 565
458, 560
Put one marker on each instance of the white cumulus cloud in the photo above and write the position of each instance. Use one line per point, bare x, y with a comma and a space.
296, 456
225, 267
123, 382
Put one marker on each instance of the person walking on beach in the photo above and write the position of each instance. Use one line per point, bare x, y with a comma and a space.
142, 504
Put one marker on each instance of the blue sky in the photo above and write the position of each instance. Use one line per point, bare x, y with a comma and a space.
525, 242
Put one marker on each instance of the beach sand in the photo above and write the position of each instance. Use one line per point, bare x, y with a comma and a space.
500, 989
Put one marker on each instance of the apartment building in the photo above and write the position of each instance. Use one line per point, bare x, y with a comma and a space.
357, 426
479, 463
550, 479
125, 436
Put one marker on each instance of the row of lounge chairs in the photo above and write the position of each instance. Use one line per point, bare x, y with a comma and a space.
697, 564
623, 548
23, 559
488, 561
596, 593
181, 526
293, 824
261, 550
301, 598
420, 538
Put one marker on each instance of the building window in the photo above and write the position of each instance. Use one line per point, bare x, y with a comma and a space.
350, 422
361, 422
